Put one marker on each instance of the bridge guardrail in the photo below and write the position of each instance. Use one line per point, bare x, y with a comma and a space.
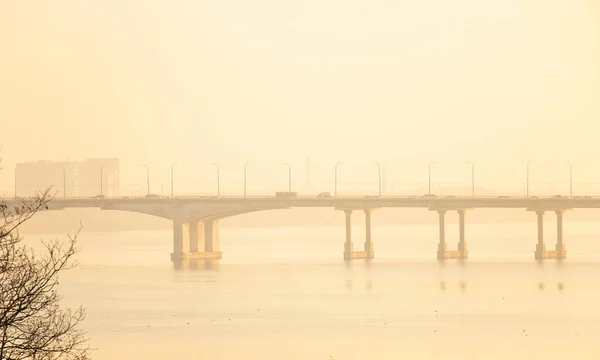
317, 198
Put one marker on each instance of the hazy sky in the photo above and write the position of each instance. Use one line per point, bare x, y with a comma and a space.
271, 81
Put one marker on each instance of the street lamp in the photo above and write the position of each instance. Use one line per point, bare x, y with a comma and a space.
246, 176
335, 178
289, 177
570, 177
147, 178
378, 175
102, 178
528, 165
472, 178
218, 180
64, 181
430, 163
172, 185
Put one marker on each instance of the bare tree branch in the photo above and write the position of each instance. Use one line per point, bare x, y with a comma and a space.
33, 325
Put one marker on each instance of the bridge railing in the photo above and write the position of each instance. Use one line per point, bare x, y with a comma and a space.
324, 198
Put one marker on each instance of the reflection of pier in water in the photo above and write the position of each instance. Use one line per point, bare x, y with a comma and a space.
462, 285
195, 264
560, 286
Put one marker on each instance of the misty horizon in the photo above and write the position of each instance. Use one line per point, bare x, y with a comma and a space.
498, 84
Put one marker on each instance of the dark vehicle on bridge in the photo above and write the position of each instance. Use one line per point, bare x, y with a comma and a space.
285, 195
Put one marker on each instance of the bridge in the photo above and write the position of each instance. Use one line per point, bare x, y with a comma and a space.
196, 232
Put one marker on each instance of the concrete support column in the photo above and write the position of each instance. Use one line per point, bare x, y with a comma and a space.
462, 244
211, 236
540, 227
561, 251
348, 247
540, 249
442, 247
369, 252
193, 229
177, 239
216, 236
188, 238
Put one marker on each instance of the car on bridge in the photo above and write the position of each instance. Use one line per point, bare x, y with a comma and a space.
325, 194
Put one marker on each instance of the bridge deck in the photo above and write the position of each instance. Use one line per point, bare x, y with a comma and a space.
440, 202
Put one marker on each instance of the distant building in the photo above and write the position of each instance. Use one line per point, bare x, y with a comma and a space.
80, 179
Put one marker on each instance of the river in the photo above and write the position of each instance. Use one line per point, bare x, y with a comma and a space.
286, 293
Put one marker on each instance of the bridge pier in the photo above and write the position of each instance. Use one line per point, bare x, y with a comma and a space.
177, 238
442, 247
193, 227
561, 250
195, 240
369, 252
349, 253
211, 237
462, 244
348, 246
540, 250
443, 253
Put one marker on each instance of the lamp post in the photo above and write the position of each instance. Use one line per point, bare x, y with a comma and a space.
172, 182
218, 180
289, 177
430, 164
102, 179
528, 165
378, 175
147, 178
472, 178
335, 178
64, 181
570, 178
246, 176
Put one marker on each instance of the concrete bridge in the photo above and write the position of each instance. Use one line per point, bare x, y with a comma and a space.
196, 231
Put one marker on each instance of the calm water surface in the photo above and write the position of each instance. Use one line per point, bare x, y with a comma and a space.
286, 294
